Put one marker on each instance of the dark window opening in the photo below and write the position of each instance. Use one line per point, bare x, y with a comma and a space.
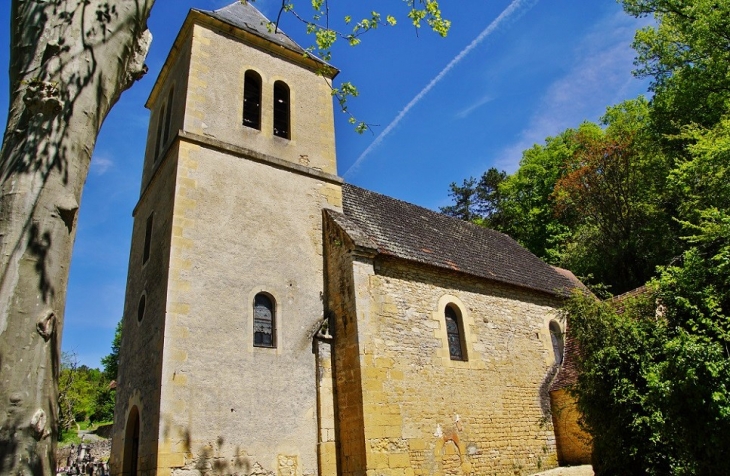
168, 116
454, 334
252, 100
281, 110
147, 240
556, 336
140, 308
131, 444
158, 144
263, 321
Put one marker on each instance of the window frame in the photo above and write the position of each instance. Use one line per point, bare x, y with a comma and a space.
254, 77
282, 114
557, 341
147, 248
459, 334
273, 322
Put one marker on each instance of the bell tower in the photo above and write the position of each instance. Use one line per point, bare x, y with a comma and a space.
218, 371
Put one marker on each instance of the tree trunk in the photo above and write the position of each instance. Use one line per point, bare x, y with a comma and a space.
70, 61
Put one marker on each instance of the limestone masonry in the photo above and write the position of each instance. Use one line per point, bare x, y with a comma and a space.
280, 322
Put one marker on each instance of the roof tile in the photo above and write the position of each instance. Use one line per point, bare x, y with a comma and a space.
407, 231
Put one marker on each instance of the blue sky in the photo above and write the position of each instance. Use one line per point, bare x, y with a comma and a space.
545, 66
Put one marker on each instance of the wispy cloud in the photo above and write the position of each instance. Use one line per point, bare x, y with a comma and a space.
465, 112
600, 76
515, 9
101, 165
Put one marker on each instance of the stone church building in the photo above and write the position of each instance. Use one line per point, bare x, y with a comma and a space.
281, 322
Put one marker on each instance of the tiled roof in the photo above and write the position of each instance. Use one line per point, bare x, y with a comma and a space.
410, 232
246, 17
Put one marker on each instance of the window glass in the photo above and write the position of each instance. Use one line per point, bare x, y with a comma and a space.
453, 333
263, 321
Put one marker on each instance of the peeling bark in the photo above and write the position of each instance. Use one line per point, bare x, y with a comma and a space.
70, 61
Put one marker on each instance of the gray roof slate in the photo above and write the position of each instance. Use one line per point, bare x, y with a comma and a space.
410, 232
246, 17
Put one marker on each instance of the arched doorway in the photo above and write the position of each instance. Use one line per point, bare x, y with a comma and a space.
131, 444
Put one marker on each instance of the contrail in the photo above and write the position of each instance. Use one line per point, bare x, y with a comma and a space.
513, 7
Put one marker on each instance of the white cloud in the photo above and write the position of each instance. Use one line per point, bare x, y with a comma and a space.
101, 165
600, 76
479, 103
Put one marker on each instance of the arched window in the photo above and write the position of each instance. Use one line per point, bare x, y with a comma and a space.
131, 444
252, 100
281, 110
264, 321
556, 336
454, 333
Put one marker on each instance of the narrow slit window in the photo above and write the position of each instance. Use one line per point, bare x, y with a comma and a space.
160, 125
264, 321
454, 334
168, 116
141, 308
252, 100
281, 110
557, 338
147, 239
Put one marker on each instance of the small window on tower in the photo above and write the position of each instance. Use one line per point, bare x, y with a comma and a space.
264, 321
147, 239
158, 142
168, 116
252, 100
281, 110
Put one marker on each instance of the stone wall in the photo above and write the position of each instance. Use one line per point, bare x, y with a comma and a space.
139, 380
346, 364
423, 413
240, 228
573, 444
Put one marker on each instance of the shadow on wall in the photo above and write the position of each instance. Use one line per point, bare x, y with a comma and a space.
544, 392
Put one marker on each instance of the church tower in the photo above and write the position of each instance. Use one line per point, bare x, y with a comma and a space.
218, 369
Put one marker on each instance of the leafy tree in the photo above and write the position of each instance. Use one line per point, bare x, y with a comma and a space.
611, 195
702, 180
477, 201
527, 209
465, 199
490, 198
80, 388
654, 382
69, 63
110, 362
687, 53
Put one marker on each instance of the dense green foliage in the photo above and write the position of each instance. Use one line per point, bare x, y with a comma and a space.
642, 197
593, 199
85, 395
654, 384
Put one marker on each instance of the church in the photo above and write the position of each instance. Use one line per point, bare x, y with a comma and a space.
281, 322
